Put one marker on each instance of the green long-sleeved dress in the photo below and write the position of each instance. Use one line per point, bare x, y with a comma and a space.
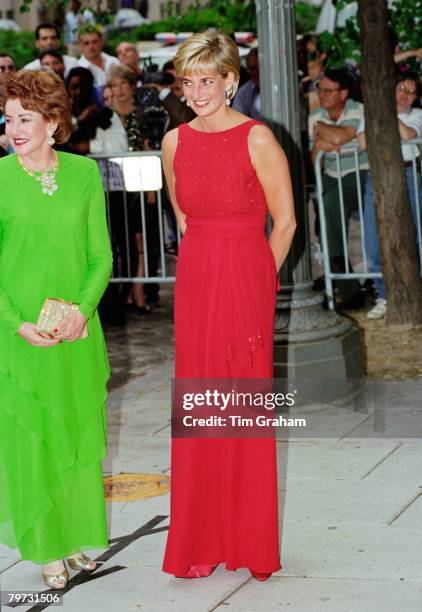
52, 400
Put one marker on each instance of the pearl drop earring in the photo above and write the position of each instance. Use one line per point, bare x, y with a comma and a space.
229, 93
50, 139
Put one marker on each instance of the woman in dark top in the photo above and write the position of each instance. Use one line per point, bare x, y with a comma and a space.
87, 115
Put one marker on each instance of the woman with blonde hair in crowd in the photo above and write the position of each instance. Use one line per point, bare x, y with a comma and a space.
122, 82
224, 172
53, 244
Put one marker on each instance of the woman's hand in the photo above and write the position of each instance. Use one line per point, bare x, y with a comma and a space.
273, 173
168, 146
28, 331
71, 327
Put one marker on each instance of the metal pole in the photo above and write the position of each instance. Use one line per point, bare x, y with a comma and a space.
302, 328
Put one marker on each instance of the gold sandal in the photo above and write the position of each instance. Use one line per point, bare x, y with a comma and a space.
51, 579
81, 563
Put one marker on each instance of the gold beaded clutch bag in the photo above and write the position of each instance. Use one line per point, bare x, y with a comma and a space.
53, 312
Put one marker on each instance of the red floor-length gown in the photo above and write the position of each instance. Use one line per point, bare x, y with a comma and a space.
223, 491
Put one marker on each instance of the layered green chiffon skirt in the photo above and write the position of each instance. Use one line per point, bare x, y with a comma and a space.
52, 440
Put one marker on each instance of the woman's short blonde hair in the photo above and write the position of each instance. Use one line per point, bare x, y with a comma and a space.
209, 52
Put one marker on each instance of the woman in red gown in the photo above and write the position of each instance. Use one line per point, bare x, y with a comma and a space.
224, 173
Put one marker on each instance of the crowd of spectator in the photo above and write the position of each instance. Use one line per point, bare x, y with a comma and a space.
338, 121
112, 96
332, 117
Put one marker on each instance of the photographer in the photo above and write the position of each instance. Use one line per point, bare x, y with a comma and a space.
162, 82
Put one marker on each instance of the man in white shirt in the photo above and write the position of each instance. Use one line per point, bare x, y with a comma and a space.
410, 127
91, 44
47, 36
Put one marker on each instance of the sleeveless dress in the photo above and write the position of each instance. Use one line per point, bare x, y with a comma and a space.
224, 506
52, 400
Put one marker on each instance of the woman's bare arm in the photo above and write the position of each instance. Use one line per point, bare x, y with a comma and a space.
273, 173
169, 145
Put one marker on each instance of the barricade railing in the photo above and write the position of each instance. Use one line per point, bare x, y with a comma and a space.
352, 153
137, 226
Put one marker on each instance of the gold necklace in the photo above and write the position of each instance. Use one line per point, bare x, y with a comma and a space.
47, 178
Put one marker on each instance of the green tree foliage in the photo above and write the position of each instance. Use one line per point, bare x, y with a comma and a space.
345, 43
342, 45
306, 17
227, 15
406, 21
20, 45
223, 14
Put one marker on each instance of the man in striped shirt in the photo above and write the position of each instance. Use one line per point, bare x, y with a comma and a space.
331, 127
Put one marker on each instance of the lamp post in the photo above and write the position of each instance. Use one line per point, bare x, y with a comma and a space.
308, 341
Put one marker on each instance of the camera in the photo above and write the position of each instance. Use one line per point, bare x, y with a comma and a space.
153, 116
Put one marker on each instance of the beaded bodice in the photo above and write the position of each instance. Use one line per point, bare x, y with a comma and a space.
214, 173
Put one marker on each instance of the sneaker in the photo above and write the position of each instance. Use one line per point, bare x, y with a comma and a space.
379, 310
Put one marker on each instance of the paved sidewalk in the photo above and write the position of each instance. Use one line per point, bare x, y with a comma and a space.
351, 510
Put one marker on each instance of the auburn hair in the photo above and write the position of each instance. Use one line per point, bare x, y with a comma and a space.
44, 93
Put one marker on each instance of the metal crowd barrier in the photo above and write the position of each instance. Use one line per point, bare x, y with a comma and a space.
330, 276
127, 179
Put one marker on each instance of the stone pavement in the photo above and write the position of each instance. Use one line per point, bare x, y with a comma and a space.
351, 509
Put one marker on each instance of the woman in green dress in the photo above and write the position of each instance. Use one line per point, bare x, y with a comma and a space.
53, 243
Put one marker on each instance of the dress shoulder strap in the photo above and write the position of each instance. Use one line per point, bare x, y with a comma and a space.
252, 122
184, 132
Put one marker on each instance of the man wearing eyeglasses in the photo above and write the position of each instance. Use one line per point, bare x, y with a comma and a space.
7, 67
331, 127
410, 127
